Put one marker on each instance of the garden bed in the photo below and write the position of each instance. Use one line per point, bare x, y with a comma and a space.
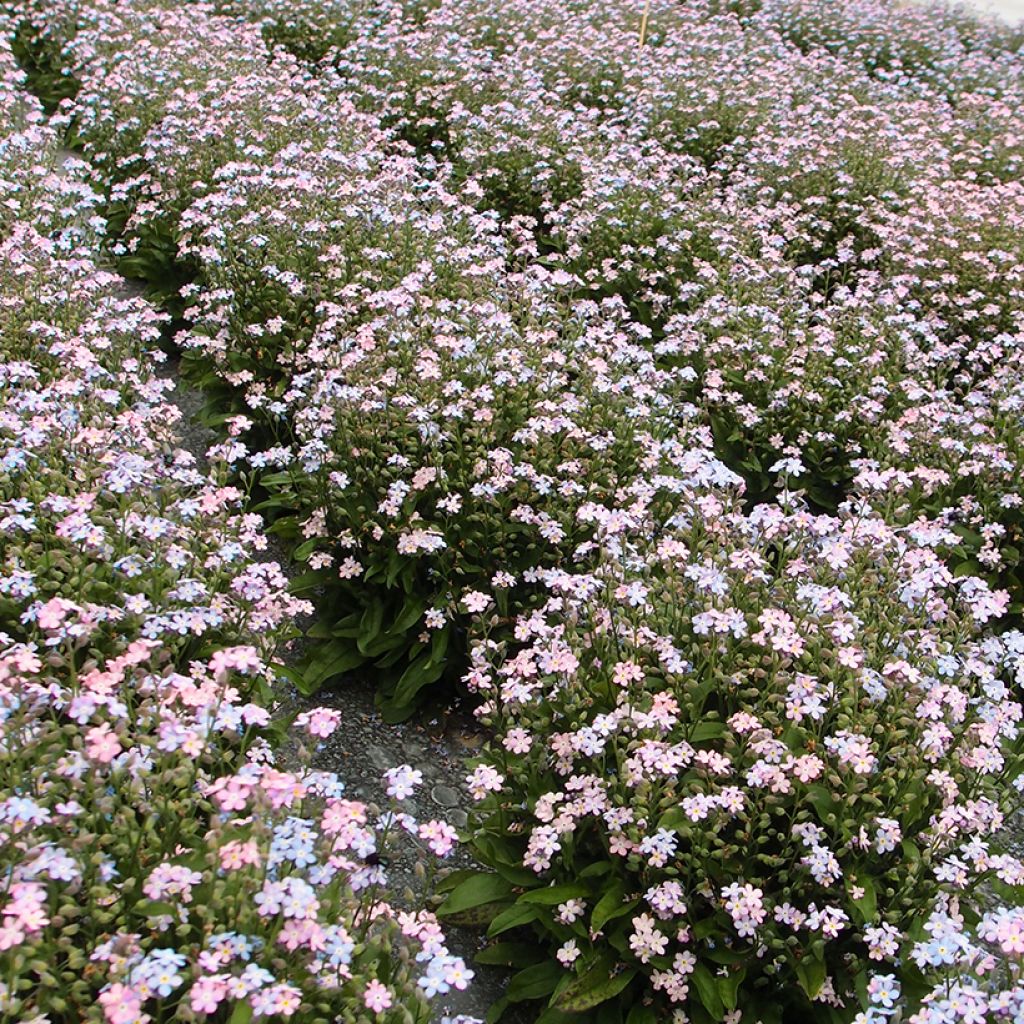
646, 375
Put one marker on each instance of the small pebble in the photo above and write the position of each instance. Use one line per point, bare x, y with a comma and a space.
380, 758
445, 796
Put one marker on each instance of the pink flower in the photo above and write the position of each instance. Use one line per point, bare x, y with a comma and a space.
568, 953
627, 672
122, 1005
208, 993
236, 854
284, 999
102, 744
320, 722
242, 659
402, 781
231, 794
10, 936
52, 614
439, 836
473, 601
518, 741
484, 780
377, 997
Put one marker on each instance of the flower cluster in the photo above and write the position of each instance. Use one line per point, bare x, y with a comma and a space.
656, 368
160, 862
790, 732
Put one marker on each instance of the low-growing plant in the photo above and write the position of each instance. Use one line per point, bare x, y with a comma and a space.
154, 872
159, 864
959, 258
312, 246
310, 29
739, 760
643, 227
460, 452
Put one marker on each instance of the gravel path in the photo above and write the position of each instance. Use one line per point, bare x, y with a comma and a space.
365, 745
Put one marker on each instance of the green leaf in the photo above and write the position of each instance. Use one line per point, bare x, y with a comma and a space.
968, 567
305, 581
597, 986
810, 972
154, 908
305, 549
672, 818
910, 851
422, 672
474, 892
439, 643
516, 916
496, 1011
551, 1015
868, 903
320, 630
513, 874
396, 563
347, 627
241, 1014
728, 987
454, 879
641, 1014
278, 479
534, 982
278, 501
823, 801
611, 905
707, 990
327, 661
393, 657
609, 1012
476, 917
411, 613
554, 894
370, 625
766, 1010
383, 644
707, 731
510, 954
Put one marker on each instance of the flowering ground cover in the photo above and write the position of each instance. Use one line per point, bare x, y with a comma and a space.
648, 371
159, 862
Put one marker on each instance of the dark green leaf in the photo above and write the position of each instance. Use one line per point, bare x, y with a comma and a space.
496, 1011
728, 987
810, 972
422, 672
707, 731
241, 1014
535, 982
867, 904
555, 894
474, 892
327, 661
707, 990
611, 905
511, 954
640, 1014
597, 986
515, 917
411, 613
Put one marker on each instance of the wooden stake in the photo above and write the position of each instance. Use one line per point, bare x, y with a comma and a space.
643, 24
